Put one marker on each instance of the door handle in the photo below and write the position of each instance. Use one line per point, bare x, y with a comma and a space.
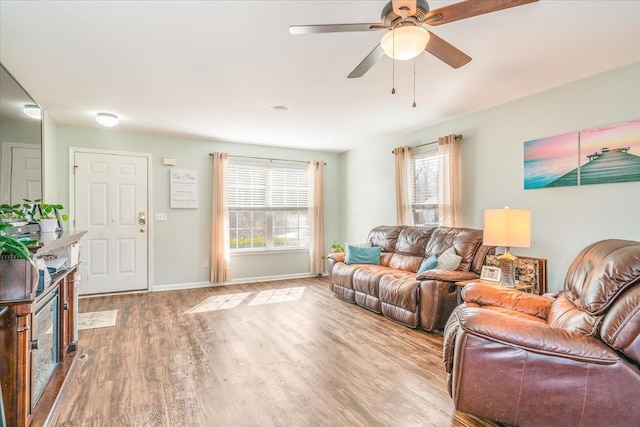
142, 220
142, 230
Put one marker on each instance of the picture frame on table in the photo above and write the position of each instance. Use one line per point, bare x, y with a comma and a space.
492, 274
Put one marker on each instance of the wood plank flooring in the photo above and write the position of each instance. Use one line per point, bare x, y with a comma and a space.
173, 359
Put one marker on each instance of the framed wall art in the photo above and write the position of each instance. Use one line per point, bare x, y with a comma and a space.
601, 155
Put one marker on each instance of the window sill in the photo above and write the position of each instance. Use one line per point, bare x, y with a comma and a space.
250, 252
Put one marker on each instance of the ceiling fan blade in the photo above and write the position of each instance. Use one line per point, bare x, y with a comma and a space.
368, 62
408, 7
446, 52
469, 8
334, 28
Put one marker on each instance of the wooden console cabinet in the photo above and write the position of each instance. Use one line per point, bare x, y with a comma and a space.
38, 335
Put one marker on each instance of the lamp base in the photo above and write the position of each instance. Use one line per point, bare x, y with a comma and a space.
507, 264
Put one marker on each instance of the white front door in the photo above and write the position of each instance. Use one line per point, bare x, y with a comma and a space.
111, 204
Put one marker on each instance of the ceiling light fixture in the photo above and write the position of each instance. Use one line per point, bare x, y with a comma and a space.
107, 119
405, 42
33, 111
279, 108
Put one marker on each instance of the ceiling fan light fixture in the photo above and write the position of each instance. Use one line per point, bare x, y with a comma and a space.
409, 42
32, 111
107, 119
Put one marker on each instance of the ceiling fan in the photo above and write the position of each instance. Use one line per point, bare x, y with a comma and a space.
405, 37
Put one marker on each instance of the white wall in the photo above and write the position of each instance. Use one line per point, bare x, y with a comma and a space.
182, 243
564, 219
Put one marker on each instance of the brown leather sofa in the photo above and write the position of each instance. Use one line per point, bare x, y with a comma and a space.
568, 360
393, 289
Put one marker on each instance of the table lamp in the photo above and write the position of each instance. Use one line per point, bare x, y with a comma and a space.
508, 228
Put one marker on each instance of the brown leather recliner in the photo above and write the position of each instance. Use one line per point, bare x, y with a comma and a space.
572, 360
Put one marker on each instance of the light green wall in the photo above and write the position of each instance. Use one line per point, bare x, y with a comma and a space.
360, 189
564, 220
182, 243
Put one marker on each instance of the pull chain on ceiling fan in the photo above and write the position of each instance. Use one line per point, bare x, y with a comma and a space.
406, 38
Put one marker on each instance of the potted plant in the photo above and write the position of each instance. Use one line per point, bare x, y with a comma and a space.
11, 246
13, 214
47, 215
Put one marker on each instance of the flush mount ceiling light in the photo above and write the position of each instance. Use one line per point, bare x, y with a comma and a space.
107, 119
279, 108
33, 111
405, 42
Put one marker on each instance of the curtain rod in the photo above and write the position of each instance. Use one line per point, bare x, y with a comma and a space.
267, 158
427, 143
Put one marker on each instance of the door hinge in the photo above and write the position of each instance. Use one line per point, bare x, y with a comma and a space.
74, 169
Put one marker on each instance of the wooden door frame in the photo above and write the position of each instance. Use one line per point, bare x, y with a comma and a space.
150, 214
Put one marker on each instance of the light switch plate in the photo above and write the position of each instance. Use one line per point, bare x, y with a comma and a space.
161, 216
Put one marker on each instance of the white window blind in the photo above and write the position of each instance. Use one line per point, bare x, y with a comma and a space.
425, 191
268, 207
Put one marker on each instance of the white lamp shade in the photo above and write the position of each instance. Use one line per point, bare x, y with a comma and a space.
107, 119
510, 228
405, 42
33, 111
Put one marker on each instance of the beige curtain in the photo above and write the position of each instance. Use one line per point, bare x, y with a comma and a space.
404, 213
448, 150
316, 209
220, 255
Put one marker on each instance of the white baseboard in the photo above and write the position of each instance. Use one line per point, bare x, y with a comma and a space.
270, 278
193, 285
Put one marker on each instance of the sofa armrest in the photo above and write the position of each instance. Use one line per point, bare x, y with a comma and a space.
537, 337
494, 295
447, 276
337, 256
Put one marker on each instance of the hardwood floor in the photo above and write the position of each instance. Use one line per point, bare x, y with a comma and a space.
200, 357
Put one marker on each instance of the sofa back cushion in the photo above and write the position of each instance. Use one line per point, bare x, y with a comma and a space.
385, 236
602, 271
409, 252
466, 242
413, 240
621, 325
565, 315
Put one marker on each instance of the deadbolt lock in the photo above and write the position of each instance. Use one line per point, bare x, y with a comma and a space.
141, 218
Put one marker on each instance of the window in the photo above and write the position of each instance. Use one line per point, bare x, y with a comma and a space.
425, 192
268, 207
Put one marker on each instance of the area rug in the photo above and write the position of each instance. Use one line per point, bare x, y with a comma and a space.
97, 319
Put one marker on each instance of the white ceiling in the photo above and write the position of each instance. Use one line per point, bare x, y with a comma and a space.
213, 69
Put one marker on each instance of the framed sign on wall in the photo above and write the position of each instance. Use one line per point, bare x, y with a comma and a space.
184, 189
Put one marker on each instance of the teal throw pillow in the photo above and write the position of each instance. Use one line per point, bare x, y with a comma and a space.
428, 264
358, 255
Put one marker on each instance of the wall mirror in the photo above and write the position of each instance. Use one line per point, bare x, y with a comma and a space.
20, 143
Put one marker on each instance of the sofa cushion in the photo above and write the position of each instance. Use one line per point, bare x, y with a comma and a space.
621, 325
399, 298
412, 241
449, 260
405, 262
360, 255
366, 282
563, 314
600, 272
428, 264
385, 236
466, 242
